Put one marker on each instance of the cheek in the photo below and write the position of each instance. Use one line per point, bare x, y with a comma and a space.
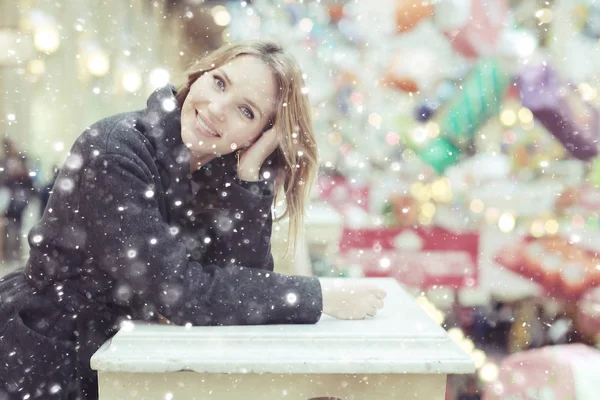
198, 91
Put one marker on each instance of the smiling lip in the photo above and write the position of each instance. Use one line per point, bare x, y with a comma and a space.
202, 130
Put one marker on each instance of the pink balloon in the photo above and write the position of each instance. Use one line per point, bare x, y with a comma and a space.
472, 26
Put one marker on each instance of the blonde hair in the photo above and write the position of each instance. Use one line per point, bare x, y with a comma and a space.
296, 157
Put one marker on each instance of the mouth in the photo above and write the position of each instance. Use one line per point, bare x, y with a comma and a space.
203, 127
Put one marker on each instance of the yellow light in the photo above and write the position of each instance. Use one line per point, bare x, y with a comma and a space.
422, 301
525, 115
46, 39
420, 191
478, 357
416, 188
544, 15
220, 15
476, 206
419, 134
506, 223
488, 372
551, 226
131, 81
375, 120
508, 117
306, 25
433, 129
98, 63
428, 210
441, 190
424, 220
456, 334
36, 67
537, 228
588, 93
467, 345
159, 77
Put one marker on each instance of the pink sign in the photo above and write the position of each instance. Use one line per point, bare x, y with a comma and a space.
417, 257
339, 192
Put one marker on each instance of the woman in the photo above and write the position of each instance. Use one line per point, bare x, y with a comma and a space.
166, 213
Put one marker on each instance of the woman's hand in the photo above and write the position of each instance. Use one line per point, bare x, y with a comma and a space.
350, 300
252, 158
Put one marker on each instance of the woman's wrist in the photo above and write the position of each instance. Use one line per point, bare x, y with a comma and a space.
248, 176
248, 173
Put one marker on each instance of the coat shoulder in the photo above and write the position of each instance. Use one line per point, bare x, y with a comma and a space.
120, 134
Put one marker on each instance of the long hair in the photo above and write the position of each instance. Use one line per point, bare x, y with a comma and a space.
296, 157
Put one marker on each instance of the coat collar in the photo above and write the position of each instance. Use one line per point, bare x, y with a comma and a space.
160, 122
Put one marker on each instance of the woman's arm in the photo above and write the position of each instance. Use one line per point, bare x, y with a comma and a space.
246, 207
249, 243
129, 240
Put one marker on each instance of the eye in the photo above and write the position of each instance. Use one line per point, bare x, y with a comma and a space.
219, 82
247, 113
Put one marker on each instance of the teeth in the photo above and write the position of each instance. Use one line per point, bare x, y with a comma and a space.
204, 126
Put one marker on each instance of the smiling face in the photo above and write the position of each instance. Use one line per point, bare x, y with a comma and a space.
228, 108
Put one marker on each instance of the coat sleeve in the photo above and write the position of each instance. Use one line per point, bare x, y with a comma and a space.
248, 211
128, 238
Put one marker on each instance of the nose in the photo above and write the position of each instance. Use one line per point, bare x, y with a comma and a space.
216, 110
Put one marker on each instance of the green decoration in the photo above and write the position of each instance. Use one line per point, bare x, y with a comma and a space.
480, 98
440, 154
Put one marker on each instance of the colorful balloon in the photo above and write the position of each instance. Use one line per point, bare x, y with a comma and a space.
414, 70
575, 123
480, 98
440, 154
472, 26
410, 12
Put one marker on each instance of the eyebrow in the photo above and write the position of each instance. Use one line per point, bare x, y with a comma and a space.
247, 100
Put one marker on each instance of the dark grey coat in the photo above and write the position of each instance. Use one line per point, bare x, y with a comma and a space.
129, 233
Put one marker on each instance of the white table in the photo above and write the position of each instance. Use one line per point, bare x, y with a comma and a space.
400, 354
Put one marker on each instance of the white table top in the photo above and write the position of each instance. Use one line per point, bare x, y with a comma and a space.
400, 339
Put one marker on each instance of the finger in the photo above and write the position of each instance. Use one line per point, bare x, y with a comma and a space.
257, 152
372, 312
380, 293
378, 303
267, 141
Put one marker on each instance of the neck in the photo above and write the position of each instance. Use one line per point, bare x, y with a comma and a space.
199, 160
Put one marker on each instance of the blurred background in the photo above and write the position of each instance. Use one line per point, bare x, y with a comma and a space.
458, 141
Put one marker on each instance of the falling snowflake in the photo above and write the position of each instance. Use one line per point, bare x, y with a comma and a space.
66, 185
